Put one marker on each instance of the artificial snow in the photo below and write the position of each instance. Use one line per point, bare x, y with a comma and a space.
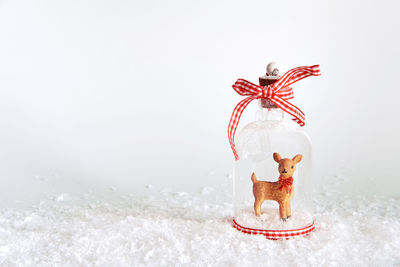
182, 229
270, 219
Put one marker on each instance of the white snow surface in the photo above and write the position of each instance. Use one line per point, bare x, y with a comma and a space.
181, 229
270, 219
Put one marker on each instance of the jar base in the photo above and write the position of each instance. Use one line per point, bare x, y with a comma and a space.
270, 218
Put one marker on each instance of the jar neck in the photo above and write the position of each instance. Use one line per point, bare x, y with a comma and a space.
269, 114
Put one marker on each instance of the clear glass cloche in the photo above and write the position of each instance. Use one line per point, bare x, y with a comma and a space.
267, 150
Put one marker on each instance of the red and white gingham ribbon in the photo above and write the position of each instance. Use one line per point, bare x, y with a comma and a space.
279, 93
276, 234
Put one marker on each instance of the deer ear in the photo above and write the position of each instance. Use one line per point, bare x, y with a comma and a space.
277, 157
297, 158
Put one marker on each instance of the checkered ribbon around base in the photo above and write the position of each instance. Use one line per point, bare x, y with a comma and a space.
278, 93
275, 234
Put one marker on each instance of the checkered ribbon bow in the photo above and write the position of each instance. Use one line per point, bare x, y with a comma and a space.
278, 93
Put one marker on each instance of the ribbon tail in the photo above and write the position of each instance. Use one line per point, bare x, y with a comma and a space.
234, 121
288, 107
295, 75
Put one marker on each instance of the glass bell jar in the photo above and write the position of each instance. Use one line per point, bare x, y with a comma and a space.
272, 177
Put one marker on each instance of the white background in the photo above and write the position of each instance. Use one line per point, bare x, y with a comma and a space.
122, 94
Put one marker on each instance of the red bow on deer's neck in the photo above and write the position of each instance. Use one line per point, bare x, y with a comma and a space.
286, 183
279, 93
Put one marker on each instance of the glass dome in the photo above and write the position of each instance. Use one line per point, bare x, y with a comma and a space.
256, 144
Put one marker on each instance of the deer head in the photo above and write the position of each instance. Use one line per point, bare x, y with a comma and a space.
287, 166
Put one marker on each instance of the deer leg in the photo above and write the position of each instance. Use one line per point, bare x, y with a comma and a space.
257, 206
288, 210
282, 210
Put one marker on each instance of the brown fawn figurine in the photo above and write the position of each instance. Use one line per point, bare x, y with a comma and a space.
280, 191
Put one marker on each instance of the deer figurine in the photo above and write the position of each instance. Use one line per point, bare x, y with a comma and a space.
280, 191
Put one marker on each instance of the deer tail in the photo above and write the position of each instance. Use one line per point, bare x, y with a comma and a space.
253, 178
